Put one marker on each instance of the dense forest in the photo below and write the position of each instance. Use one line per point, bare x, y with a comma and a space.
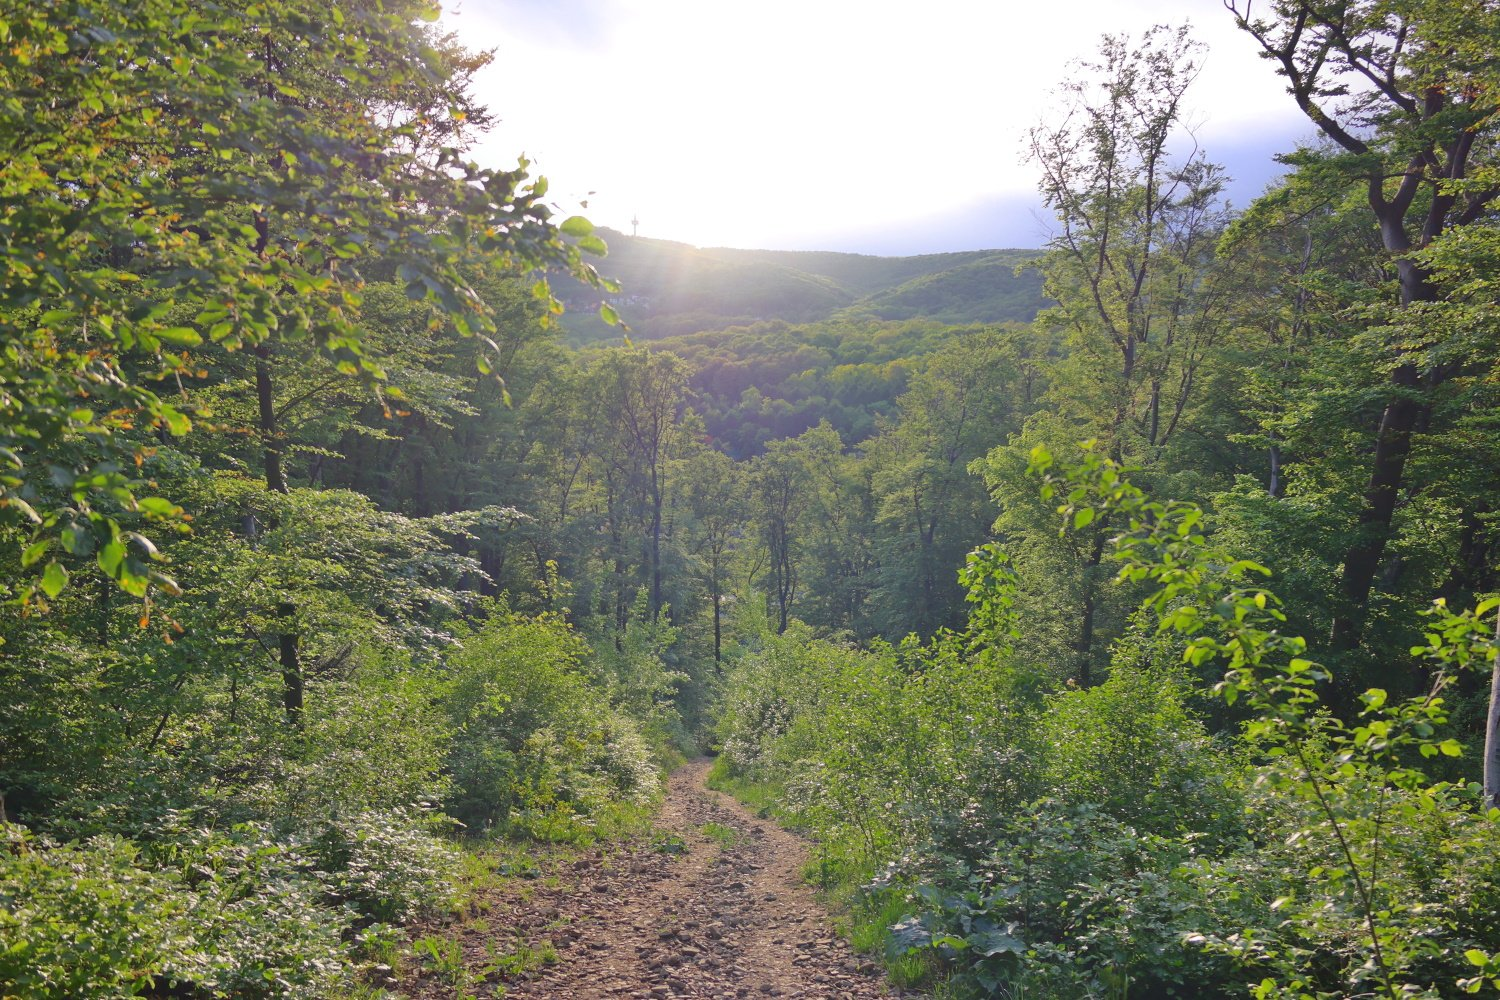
1118, 619
671, 289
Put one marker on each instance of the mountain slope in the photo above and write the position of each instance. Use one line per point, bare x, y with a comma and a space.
671, 289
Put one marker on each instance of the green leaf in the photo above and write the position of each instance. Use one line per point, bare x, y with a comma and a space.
110, 557
180, 336
54, 579
177, 422
609, 315
994, 942
158, 507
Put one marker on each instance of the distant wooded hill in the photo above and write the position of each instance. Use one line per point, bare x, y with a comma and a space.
672, 289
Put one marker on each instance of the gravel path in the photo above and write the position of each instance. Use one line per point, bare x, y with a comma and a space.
712, 906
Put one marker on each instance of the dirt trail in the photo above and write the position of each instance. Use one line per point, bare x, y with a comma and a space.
694, 913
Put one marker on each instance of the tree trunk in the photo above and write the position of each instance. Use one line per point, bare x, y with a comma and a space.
718, 630
656, 505
1492, 730
291, 666
1086, 636
1154, 431
1387, 472
1127, 373
1090, 606
1392, 446
270, 440
1274, 489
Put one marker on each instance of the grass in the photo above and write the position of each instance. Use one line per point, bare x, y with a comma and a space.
764, 798
725, 836
863, 917
444, 956
522, 958
615, 821
669, 843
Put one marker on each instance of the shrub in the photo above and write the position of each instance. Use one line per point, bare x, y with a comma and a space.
228, 915
385, 864
1070, 903
1129, 747
533, 732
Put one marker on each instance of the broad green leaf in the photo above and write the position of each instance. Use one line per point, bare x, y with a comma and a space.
576, 226
54, 579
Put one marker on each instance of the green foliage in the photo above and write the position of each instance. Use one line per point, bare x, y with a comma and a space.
1000, 287
880, 752
244, 212
1071, 903
426, 564
760, 382
385, 865
1130, 748
237, 914
1365, 821
534, 734
1099, 841
672, 289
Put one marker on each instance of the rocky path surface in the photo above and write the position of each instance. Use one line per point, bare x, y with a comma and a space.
712, 906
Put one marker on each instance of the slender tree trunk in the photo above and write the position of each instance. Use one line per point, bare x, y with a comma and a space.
656, 504
291, 666
718, 629
1387, 472
1127, 373
269, 436
1492, 730
1090, 606
1086, 636
1274, 489
1155, 423
1388, 466
781, 565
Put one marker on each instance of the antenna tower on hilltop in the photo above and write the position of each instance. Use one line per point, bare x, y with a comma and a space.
635, 224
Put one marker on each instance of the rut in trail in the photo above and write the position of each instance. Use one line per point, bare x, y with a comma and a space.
728, 916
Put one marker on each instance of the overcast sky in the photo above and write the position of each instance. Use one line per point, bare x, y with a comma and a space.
858, 125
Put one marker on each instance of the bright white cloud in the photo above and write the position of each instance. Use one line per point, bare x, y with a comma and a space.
783, 123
